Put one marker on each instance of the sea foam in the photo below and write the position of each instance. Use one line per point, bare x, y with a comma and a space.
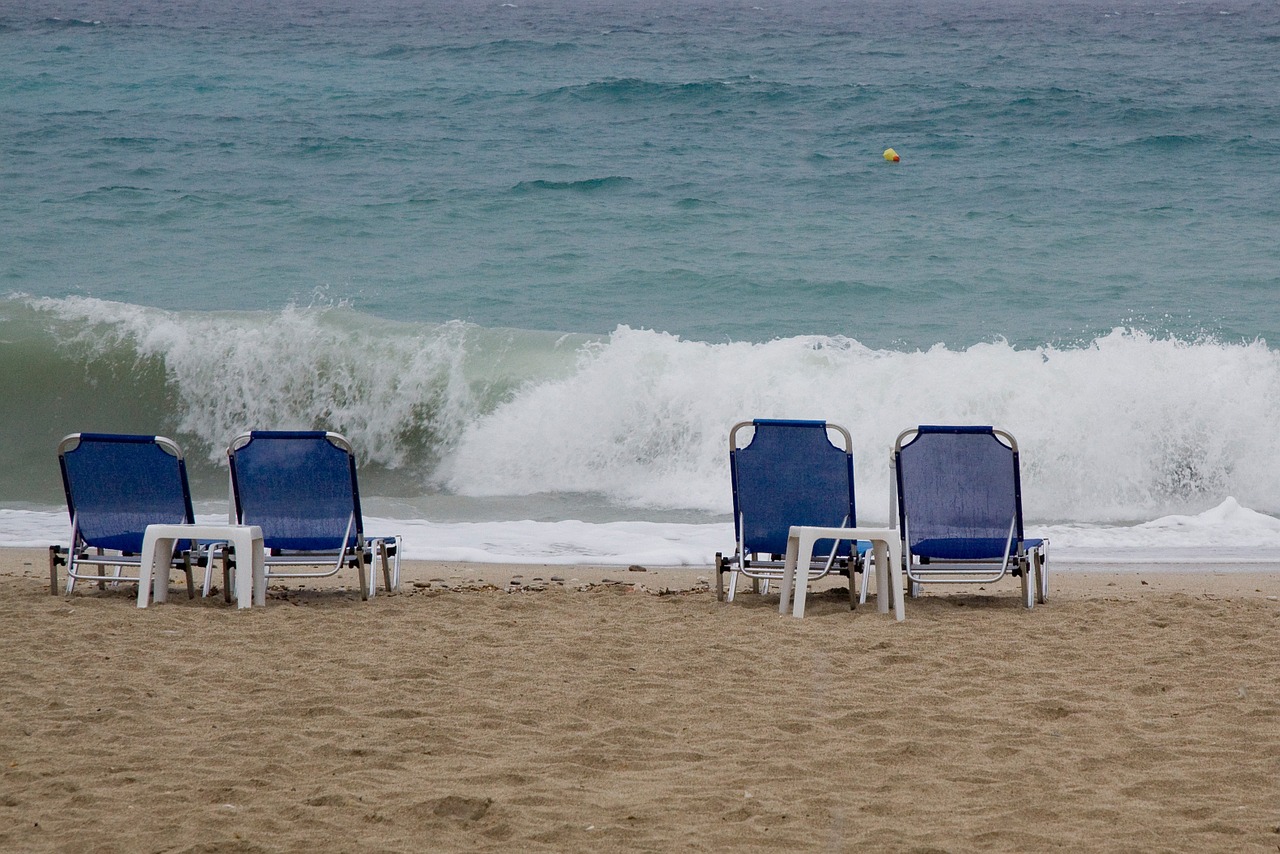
1223, 536
1126, 428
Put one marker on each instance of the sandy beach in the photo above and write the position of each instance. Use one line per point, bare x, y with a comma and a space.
606, 709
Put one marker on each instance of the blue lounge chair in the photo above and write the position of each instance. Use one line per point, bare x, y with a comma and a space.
117, 485
300, 488
959, 504
789, 474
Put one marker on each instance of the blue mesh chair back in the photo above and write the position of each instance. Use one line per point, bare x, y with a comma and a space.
959, 493
299, 487
116, 485
790, 474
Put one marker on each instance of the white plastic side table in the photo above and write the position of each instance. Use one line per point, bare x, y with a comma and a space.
157, 547
887, 547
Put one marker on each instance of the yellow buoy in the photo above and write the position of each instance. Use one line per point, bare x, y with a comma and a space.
891, 155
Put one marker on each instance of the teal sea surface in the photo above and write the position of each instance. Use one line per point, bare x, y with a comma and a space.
535, 258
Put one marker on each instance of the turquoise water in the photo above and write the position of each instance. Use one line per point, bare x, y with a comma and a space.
536, 258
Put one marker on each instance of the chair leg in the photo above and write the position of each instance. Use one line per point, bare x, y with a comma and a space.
1042, 577
386, 563
207, 584
226, 574
186, 566
55, 560
395, 564
719, 577
866, 574
1028, 585
360, 565
395, 569
733, 585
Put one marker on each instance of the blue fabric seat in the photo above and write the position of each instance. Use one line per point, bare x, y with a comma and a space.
789, 474
300, 487
959, 503
116, 485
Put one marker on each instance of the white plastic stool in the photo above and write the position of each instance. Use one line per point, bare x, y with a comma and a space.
157, 548
887, 546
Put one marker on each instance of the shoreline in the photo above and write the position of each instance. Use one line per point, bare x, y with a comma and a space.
1249, 579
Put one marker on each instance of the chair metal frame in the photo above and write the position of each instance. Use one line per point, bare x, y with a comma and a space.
356, 549
1026, 558
764, 568
90, 551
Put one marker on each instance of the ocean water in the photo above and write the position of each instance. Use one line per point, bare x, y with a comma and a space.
536, 258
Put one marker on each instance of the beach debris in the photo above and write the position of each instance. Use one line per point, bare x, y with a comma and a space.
891, 155
635, 567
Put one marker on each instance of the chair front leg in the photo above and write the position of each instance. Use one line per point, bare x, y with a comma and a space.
365, 594
186, 567
866, 580
1042, 576
1028, 584
228, 574
55, 560
386, 564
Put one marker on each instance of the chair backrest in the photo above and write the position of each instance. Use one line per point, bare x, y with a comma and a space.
298, 486
959, 491
117, 485
790, 474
